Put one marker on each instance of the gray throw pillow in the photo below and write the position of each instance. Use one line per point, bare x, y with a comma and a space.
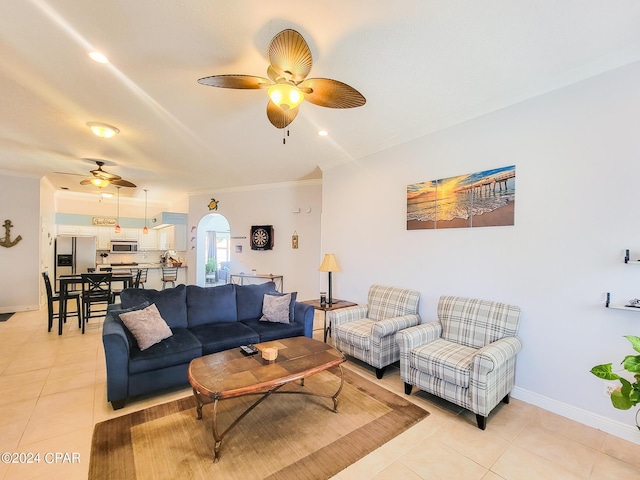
276, 308
292, 303
147, 326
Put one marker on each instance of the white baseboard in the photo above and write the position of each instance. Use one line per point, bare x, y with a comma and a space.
613, 427
18, 308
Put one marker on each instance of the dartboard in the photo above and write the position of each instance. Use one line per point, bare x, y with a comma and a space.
262, 237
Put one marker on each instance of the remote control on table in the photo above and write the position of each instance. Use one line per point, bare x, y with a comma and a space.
249, 349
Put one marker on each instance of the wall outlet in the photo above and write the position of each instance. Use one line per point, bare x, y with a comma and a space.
609, 387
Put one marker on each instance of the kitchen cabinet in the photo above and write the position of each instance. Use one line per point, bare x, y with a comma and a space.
104, 238
88, 231
180, 238
68, 230
125, 234
148, 241
173, 238
167, 238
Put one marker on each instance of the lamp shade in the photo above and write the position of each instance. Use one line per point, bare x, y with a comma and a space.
329, 263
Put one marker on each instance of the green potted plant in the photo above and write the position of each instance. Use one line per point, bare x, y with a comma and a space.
628, 394
210, 269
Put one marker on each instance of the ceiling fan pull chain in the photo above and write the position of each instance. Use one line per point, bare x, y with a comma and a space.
284, 136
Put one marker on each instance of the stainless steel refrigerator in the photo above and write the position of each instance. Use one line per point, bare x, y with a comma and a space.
75, 255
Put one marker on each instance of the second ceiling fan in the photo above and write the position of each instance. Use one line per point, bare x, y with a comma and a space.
290, 63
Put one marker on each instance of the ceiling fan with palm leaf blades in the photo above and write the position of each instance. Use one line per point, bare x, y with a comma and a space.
101, 178
290, 63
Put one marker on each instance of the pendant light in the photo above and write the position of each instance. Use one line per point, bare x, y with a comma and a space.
118, 221
145, 230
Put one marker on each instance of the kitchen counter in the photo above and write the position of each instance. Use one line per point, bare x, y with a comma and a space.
139, 265
154, 273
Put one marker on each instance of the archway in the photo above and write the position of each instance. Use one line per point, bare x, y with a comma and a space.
213, 255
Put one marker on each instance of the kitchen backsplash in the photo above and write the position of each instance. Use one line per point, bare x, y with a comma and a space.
148, 256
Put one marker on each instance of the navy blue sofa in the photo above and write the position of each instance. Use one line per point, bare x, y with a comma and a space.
202, 320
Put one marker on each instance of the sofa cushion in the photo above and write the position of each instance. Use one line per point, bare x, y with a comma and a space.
211, 304
356, 333
269, 331
171, 303
147, 326
217, 337
249, 299
443, 359
275, 308
179, 348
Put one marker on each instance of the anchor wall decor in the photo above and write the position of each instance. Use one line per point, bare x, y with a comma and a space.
6, 241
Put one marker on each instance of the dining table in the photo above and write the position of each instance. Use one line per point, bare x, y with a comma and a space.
65, 281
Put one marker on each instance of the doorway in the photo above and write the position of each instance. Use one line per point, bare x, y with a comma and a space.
213, 256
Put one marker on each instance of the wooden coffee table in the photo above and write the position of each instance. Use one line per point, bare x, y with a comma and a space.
231, 374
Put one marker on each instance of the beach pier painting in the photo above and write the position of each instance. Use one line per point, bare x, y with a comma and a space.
482, 199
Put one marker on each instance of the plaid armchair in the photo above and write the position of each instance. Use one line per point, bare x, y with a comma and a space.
467, 357
368, 332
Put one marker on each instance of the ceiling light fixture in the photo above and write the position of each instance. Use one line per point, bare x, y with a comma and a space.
102, 130
145, 230
323, 133
285, 96
118, 216
99, 182
98, 57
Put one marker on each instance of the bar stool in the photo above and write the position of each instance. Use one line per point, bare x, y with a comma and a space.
169, 275
51, 298
143, 276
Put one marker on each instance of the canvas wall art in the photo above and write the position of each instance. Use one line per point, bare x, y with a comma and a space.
482, 199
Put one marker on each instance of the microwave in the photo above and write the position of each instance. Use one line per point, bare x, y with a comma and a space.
124, 246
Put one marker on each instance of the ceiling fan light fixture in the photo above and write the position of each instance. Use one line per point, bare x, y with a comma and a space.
285, 96
103, 130
99, 182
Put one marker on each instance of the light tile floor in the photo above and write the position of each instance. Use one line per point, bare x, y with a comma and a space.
52, 393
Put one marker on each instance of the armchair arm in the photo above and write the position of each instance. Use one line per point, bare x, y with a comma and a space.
495, 354
412, 337
116, 350
347, 314
389, 326
304, 314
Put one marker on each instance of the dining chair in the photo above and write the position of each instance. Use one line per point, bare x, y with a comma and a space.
52, 298
169, 275
96, 290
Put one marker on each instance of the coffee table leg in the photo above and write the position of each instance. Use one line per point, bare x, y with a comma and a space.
216, 436
335, 395
198, 404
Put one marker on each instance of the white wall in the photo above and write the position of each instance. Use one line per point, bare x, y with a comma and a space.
576, 155
20, 279
269, 205
47, 233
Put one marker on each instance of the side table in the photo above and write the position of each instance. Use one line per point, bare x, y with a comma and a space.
327, 308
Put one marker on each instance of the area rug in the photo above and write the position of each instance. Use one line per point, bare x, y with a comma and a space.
286, 437
6, 316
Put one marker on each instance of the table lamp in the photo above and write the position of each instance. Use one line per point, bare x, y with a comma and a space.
329, 264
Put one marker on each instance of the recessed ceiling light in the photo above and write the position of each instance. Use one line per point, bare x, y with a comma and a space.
106, 195
98, 57
102, 130
323, 133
